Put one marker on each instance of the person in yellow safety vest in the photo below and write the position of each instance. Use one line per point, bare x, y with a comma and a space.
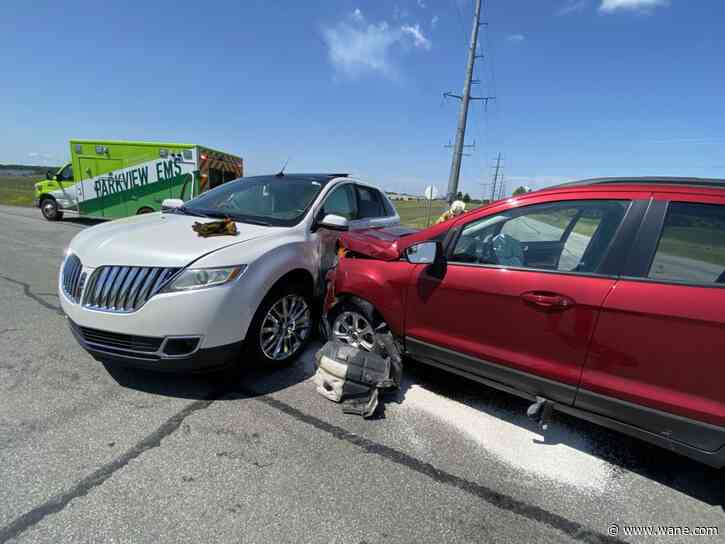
457, 208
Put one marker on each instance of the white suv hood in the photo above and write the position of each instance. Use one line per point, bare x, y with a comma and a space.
155, 240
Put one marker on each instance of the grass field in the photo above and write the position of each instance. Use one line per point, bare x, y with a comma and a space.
17, 190
413, 213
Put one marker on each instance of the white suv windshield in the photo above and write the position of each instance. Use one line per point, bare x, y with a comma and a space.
269, 200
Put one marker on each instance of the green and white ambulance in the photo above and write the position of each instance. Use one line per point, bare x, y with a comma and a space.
113, 179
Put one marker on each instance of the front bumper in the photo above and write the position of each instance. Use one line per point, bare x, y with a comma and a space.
219, 315
198, 360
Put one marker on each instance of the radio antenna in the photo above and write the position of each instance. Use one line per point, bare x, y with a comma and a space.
281, 172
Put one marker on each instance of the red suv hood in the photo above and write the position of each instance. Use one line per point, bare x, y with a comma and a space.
379, 244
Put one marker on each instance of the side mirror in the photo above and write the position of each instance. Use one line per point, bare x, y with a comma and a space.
169, 204
49, 175
334, 222
422, 253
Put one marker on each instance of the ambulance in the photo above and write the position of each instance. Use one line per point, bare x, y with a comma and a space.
114, 179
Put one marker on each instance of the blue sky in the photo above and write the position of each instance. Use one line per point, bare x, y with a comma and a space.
584, 87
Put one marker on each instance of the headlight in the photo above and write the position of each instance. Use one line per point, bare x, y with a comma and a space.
200, 278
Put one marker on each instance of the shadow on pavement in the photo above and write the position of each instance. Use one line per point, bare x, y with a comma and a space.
83, 221
253, 380
624, 453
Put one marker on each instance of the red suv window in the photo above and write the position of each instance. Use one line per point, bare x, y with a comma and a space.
570, 236
692, 244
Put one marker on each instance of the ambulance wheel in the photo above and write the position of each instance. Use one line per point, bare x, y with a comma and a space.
281, 327
354, 322
143, 210
49, 209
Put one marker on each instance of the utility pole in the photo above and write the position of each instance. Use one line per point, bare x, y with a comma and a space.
502, 187
465, 98
496, 172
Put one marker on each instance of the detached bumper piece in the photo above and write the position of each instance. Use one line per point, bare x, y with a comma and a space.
355, 377
171, 353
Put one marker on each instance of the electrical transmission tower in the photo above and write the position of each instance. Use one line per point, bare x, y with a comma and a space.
496, 184
465, 98
501, 186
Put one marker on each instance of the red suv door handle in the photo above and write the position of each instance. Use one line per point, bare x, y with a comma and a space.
548, 301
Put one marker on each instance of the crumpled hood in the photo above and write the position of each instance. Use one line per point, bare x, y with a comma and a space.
158, 239
376, 243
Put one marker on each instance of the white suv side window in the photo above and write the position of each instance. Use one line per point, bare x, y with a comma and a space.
341, 201
370, 203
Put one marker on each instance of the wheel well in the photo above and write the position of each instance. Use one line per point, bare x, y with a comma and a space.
45, 196
299, 277
345, 297
144, 209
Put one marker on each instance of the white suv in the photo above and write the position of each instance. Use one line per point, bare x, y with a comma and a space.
148, 291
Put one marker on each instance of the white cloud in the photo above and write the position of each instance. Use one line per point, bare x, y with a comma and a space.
419, 40
610, 6
517, 38
356, 47
434, 21
572, 6
33, 154
421, 4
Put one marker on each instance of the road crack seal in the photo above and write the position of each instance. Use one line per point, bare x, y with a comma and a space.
27, 291
97, 478
535, 513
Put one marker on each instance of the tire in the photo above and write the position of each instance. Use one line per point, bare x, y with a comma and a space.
144, 210
354, 322
49, 209
263, 343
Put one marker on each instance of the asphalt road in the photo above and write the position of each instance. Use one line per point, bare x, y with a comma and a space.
90, 454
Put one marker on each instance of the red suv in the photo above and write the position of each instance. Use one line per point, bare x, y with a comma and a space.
604, 299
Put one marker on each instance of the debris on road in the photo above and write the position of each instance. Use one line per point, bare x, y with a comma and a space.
355, 377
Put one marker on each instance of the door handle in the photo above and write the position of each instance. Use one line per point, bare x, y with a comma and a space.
548, 301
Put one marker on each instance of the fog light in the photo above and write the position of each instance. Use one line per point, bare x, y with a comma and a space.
180, 346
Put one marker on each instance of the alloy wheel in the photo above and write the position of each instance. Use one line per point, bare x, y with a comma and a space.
353, 328
285, 328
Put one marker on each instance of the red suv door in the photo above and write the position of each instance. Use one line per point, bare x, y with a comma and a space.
656, 358
521, 291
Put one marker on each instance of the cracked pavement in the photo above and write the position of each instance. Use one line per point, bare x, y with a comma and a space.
95, 454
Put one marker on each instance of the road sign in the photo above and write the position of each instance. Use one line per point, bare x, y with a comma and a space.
431, 192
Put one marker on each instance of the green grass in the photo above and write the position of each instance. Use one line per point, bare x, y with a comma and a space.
703, 244
413, 213
17, 190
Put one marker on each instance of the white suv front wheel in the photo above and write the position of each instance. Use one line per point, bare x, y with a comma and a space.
282, 326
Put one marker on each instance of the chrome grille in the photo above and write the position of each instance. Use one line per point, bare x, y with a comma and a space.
73, 278
124, 288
